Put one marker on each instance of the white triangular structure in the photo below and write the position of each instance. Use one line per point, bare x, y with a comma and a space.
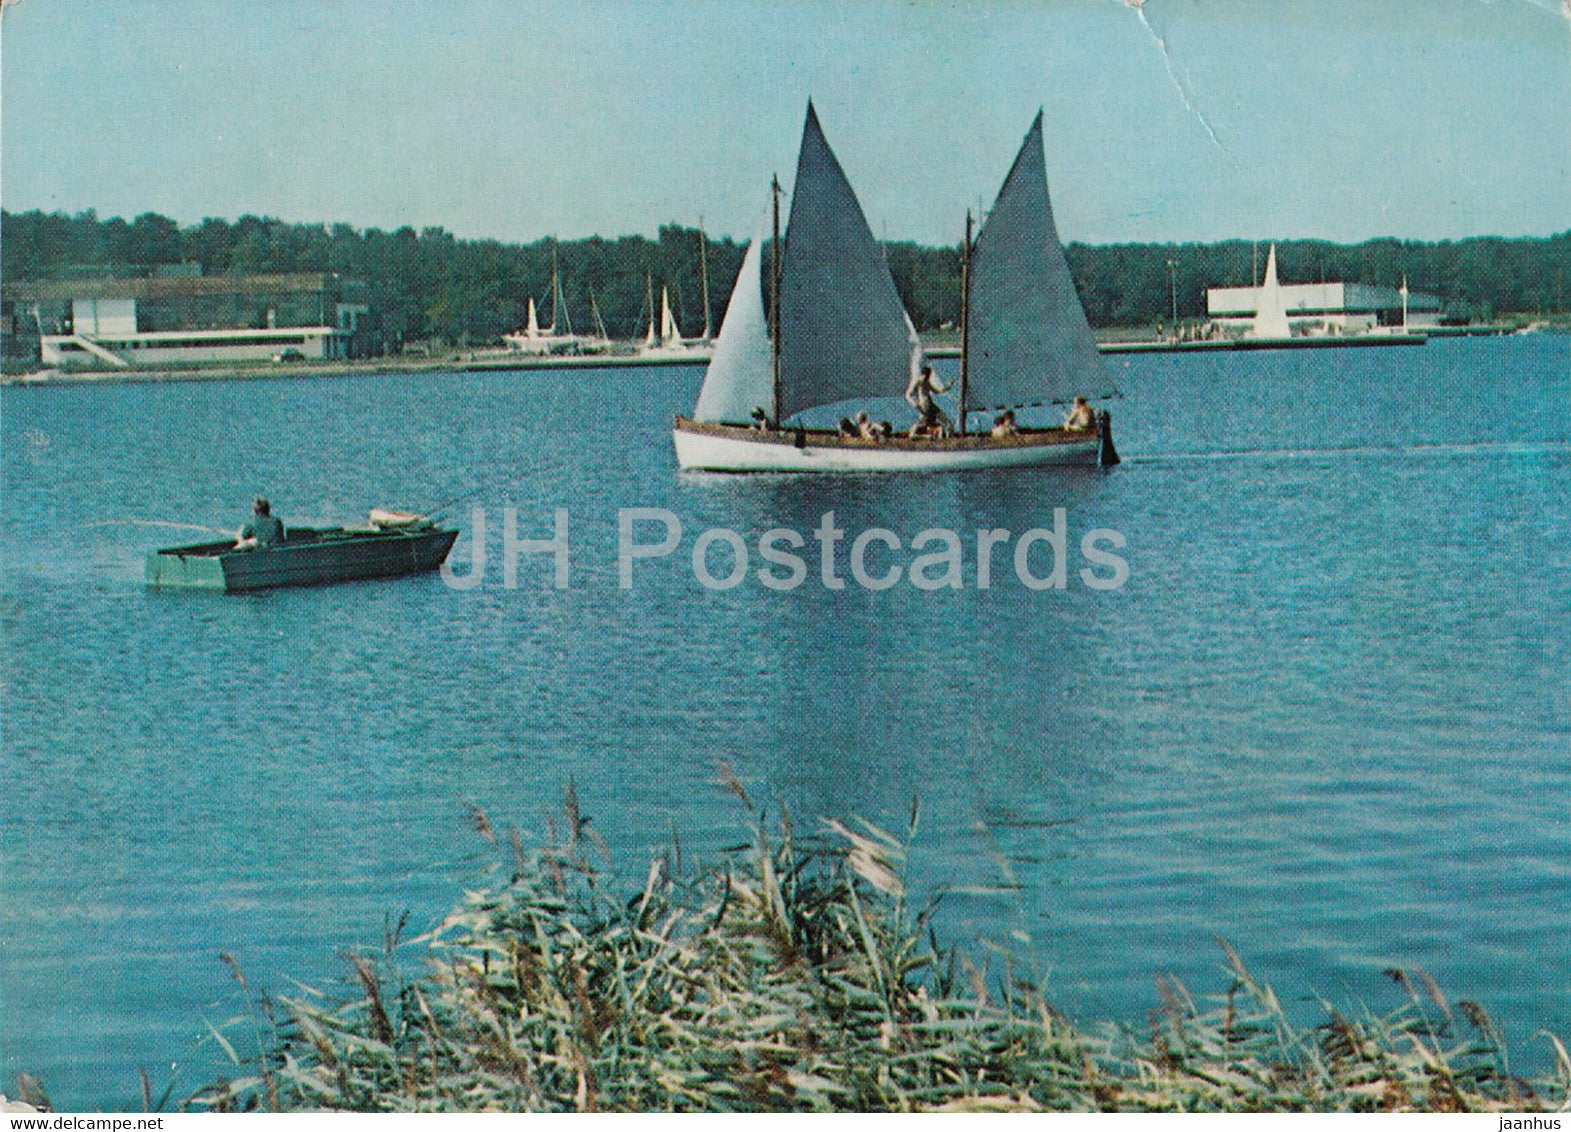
1270, 310
532, 330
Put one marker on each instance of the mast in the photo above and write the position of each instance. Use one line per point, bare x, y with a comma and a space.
703, 268
965, 319
649, 287
774, 306
556, 293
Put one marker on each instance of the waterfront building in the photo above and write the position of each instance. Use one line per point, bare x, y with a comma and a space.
188, 319
1325, 308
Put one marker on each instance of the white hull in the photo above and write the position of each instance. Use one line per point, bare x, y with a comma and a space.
729, 449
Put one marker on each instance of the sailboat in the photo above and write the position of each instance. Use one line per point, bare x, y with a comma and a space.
670, 335
664, 341
835, 330
536, 339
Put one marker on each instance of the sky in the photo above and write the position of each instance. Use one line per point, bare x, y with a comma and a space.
1165, 120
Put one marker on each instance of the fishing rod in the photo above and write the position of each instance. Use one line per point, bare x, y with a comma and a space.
157, 523
468, 495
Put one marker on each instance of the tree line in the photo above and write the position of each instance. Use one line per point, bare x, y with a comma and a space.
430, 283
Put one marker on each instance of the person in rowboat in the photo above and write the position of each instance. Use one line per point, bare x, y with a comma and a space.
1081, 418
264, 529
931, 420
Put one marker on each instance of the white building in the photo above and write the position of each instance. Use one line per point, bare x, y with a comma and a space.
1325, 308
180, 320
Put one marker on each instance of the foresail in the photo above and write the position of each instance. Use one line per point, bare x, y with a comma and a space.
1029, 342
740, 375
842, 326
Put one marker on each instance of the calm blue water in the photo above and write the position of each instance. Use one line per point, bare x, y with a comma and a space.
1327, 718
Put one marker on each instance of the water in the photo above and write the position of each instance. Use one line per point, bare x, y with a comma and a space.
1325, 719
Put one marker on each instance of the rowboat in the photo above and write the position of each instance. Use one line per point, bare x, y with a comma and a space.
392, 544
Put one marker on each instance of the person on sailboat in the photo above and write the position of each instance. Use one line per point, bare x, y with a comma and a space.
1081, 418
869, 429
931, 420
265, 529
1004, 424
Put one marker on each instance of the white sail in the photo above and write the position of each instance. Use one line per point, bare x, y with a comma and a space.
1271, 310
1029, 342
533, 328
842, 326
652, 337
670, 335
740, 377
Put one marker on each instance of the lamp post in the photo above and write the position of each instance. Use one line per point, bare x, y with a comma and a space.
1172, 279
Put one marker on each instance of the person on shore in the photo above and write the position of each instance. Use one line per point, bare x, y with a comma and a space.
264, 529
931, 420
1004, 424
1081, 418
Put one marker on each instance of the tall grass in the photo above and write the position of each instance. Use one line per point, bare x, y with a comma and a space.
795, 976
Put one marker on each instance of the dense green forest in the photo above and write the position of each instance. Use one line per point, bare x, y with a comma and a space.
431, 284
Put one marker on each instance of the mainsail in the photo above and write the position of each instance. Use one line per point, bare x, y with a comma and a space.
842, 327
1029, 342
740, 378
1270, 309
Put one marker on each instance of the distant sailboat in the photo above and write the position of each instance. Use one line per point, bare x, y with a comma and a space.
836, 331
536, 339
663, 340
1270, 309
652, 337
670, 334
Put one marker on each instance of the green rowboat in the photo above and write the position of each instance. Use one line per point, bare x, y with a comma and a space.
307, 557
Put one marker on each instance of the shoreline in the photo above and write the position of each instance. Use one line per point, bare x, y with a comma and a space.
477, 362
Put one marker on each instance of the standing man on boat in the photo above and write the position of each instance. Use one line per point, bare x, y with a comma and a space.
264, 529
931, 420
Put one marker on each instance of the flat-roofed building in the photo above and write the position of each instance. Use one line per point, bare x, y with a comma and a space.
186, 319
1326, 308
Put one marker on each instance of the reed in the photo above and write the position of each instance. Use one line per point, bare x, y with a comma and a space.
795, 977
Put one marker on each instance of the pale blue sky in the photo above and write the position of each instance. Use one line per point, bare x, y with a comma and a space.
1187, 119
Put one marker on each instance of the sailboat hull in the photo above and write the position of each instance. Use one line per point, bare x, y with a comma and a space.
732, 448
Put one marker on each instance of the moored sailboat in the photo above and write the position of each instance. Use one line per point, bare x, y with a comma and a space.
836, 331
535, 339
